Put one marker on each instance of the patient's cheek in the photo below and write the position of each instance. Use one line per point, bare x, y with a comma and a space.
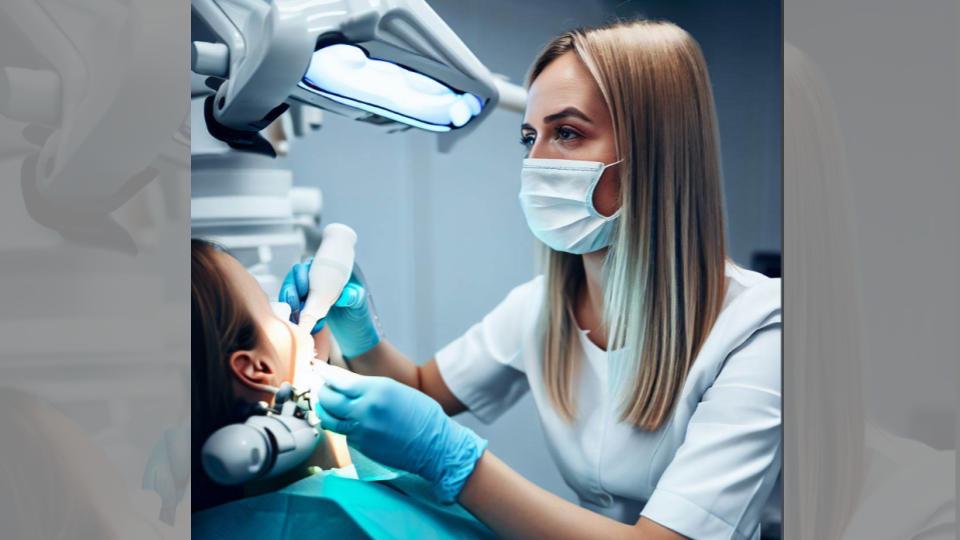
311, 349
281, 339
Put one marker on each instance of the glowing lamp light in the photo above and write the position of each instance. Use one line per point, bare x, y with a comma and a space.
345, 74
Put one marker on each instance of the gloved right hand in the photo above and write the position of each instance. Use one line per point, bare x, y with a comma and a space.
399, 426
353, 317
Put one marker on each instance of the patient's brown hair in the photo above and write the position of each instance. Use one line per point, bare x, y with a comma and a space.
220, 324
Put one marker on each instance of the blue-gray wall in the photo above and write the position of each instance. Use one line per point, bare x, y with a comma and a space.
441, 236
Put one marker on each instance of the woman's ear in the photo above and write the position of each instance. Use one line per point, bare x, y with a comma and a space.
252, 369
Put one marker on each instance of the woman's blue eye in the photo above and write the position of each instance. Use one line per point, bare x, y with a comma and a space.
527, 140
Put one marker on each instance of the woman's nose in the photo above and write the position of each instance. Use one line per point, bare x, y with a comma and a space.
541, 150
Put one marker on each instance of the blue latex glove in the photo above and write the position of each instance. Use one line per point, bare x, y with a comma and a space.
353, 318
400, 427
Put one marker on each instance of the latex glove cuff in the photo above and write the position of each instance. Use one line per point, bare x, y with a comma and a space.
458, 464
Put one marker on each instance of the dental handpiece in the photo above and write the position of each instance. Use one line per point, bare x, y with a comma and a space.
329, 273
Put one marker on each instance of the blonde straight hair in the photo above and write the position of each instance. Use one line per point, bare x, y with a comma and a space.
664, 272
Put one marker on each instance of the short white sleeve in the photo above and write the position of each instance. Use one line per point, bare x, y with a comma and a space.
484, 367
717, 483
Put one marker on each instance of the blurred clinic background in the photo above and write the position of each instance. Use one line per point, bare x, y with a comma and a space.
442, 238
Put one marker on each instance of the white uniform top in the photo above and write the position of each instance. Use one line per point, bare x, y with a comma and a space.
711, 468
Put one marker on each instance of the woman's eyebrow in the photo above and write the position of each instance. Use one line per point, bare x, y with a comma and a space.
569, 111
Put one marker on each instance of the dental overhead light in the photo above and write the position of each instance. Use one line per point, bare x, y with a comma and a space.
345, 74
387, 62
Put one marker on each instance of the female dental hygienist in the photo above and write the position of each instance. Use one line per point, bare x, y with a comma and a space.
653, 360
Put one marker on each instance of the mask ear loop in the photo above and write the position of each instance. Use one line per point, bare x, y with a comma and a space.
593, 186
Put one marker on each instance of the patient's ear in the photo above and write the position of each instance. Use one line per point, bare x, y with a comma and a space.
252, 369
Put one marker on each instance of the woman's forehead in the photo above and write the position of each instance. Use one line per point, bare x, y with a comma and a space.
565, 82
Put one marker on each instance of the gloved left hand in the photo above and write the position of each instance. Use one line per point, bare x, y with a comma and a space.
353, 318
399, 426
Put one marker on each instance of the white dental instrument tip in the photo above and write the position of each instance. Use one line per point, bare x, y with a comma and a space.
329, 272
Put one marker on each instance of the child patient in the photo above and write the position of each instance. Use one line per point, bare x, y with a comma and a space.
240, 349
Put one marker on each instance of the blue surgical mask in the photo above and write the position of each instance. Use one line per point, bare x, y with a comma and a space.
557, 200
